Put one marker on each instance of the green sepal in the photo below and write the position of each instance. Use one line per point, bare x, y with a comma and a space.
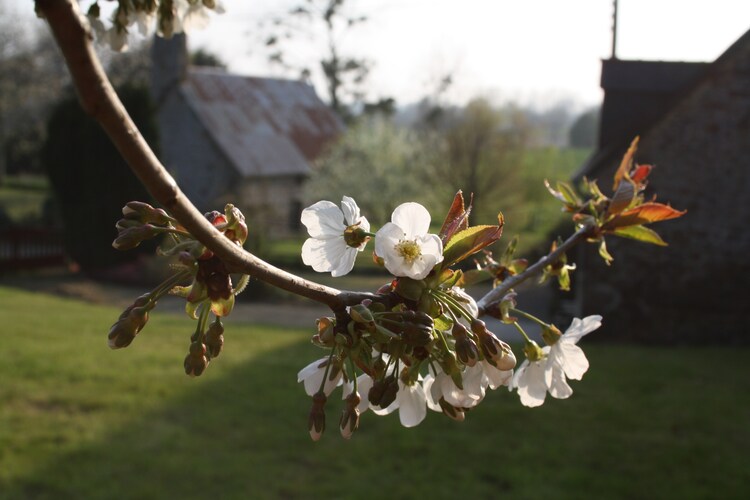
443, 323
191, 309
410, 289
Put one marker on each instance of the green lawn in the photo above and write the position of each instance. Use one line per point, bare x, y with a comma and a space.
80, 421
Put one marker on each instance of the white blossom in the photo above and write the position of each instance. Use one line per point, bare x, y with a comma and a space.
405, 245
411, 403
327, 249
566, 359
563, 359
529, 381
312, 376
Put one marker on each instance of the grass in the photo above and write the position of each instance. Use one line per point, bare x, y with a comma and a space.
80, 421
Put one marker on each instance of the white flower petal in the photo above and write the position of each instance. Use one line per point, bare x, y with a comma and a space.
346, 262
578, 328
496, 378
554, 378
387, 238
364, 384
312, 376
574, 361
310, 369
412, 218
324, 255
412, 404
323, 220
385, 411
432, 393
530, 383
350, 209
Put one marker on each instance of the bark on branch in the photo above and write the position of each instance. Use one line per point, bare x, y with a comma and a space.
99, 100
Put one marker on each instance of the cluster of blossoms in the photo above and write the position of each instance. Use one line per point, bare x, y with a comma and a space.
417, 343
211, 292
170, 17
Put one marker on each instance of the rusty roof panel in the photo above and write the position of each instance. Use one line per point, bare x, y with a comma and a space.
265, 126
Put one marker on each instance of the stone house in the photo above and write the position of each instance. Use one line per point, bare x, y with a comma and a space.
694, 126
230, 138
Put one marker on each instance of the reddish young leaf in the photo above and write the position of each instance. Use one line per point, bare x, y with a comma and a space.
627, 160
640, 173
457, 218
644, 214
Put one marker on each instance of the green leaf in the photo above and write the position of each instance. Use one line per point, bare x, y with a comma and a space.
640, 233
470, 241
510, 250
569, 194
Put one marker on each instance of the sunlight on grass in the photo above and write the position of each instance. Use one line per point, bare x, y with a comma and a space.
80, 421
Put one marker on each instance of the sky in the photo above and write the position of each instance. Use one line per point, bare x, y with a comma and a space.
536, 52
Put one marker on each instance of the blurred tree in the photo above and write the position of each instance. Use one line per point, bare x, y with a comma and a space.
344, 74
585, 129
32, 75
393, 160
202, 57
89, 196
482, 150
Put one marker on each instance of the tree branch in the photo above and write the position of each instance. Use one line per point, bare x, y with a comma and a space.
497, 293
99, 100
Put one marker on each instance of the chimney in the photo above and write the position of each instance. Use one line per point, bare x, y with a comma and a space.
169, 61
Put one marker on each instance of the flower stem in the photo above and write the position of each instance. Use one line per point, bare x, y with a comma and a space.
529, 317
523, 333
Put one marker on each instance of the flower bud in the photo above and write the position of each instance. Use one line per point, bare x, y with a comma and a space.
466, 348
325, 336
131, 237
138, 210
131, 321
196, 360
215, 338
496, 352
361, 314
236, 229
383, 392
349, 421
316, 422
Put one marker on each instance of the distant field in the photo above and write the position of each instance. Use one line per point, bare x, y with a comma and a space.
80, 421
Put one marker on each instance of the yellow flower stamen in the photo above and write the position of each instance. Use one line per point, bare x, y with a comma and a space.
409, 250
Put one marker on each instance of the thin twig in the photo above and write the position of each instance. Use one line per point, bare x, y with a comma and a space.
497, 293
99, 100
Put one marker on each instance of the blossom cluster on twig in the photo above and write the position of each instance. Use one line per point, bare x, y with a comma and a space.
168, 16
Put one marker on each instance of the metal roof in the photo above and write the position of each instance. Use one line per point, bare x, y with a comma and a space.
265, 126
